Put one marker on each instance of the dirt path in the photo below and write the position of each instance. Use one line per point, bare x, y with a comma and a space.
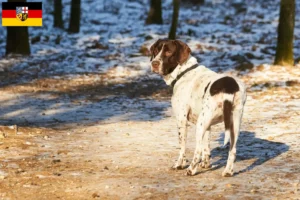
129, 160
116, 147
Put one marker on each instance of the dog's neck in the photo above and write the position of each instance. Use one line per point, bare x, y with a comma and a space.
171, 78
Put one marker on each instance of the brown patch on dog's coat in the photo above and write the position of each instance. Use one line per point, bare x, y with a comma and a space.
183, 51
226, 85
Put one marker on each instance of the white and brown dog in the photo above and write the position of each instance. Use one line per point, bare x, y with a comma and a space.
202, 97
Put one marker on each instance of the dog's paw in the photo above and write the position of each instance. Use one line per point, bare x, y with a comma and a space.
177, 167
227, 173
205, 165
191, 171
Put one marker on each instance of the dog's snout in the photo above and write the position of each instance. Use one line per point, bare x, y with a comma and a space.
155, 64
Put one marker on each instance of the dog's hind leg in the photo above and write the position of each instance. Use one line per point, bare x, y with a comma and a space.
234, 134
205, 161
203, 123
182, 135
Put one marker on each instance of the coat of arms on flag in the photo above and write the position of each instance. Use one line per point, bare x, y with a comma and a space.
22, 13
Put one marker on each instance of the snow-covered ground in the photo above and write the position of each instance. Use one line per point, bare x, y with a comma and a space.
93, 122
222, 35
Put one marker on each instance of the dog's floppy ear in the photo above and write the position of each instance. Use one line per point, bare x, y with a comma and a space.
183, 51
153, 48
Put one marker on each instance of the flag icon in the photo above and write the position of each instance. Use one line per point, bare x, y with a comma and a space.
22, 14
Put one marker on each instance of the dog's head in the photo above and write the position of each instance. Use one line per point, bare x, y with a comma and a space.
167, 54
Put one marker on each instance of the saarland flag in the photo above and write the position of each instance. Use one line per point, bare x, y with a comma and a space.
22, 14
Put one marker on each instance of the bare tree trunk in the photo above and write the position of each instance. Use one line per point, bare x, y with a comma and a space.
194, 2
74, 26
17, 39
284, 51
155, 13
58, 22
172, 33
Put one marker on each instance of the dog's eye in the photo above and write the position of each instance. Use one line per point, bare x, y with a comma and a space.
168, 53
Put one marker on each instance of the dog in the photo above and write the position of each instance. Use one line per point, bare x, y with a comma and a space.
202, 97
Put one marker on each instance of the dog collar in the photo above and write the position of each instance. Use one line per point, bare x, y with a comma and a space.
183, 73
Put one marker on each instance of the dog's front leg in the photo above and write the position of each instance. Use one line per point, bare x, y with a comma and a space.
182, 135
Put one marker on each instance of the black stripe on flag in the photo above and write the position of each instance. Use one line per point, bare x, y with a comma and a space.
30, 5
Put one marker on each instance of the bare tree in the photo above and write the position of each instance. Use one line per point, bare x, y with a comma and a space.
17, 40
74, 26
155, 13
194, 2
172, 33
58, 22
284, 50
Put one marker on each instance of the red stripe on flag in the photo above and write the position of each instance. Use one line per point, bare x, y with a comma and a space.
8, 13
35, 14
31, 14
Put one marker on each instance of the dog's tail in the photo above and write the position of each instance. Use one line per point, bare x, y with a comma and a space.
228, 86
228, 120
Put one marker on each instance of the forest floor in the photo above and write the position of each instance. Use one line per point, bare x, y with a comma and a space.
83, 117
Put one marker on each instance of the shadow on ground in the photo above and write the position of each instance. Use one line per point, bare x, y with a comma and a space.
249, 147
134, 100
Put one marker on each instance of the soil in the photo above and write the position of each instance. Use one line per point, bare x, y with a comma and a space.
97, 141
